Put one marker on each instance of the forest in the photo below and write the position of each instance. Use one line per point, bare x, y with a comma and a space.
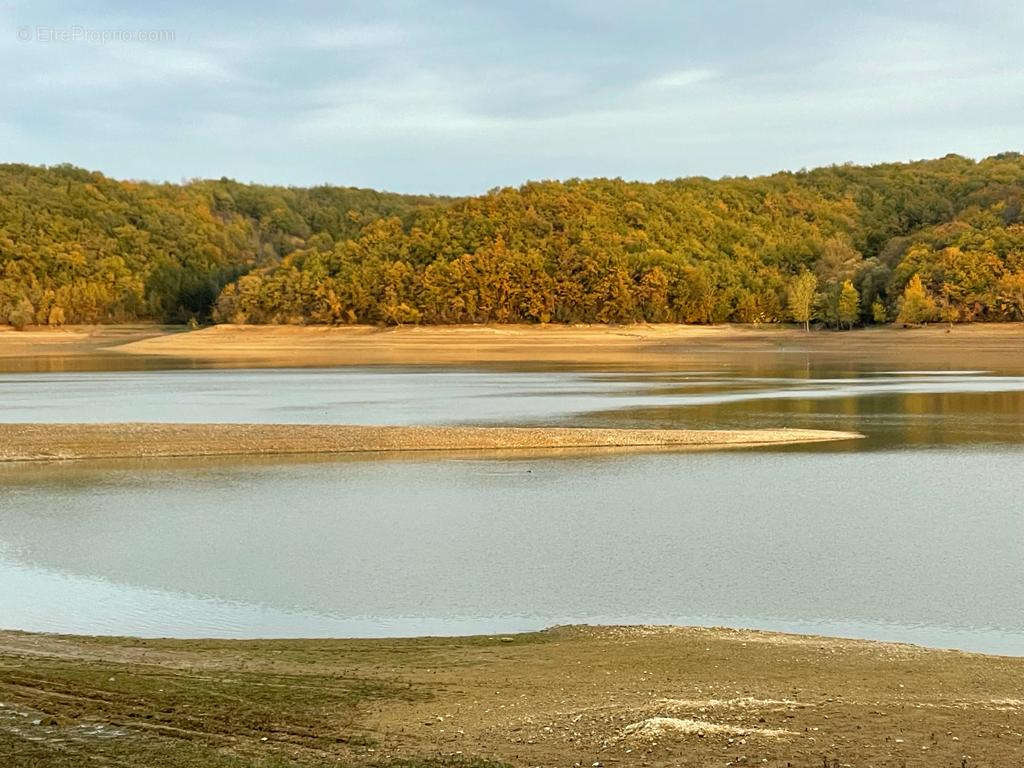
840, 246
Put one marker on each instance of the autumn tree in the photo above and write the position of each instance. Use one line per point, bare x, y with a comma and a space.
917, 305
838, 264
801, 298
1010, 292
849, 304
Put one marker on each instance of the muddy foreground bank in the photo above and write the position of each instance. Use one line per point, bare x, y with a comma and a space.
630, 696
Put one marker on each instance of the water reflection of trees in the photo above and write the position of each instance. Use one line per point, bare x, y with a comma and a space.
890, 420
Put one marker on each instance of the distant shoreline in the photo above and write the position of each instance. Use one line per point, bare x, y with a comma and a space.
640, 346
63, 442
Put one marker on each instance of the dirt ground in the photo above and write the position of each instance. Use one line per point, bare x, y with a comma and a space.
75, 340
574, 696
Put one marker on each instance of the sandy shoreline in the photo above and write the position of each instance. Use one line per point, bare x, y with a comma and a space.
996, 346
640, 346
41, 442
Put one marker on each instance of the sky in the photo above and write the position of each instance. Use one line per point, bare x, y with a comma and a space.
459, 97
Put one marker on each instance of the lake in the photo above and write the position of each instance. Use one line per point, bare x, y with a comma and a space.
914, 534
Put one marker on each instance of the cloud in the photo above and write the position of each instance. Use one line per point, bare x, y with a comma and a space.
351, 36
461, 96
152, 62
682, 78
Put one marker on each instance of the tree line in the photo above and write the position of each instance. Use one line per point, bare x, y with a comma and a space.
841, 246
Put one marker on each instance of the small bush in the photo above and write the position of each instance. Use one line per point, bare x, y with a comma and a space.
22, 314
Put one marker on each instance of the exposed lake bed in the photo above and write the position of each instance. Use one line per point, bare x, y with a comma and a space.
571, 695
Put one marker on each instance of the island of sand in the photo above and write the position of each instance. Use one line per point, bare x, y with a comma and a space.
38, 442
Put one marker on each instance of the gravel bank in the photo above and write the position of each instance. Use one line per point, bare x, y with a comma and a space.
35, 442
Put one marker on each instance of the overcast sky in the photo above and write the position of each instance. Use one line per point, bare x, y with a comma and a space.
458, 97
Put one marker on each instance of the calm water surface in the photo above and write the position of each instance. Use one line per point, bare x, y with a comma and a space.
916, 533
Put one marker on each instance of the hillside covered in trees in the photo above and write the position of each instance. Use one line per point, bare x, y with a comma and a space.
844, 245
77, 247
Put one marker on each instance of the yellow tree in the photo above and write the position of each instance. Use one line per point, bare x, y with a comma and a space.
1011, 295
849, 304
917, 305
801, 298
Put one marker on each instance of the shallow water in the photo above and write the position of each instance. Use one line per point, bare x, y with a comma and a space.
913, 534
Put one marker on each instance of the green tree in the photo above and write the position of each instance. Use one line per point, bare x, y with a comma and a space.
839, 261
22, 315
801, 298
878, 312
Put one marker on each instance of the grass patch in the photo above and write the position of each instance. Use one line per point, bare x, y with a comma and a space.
215, 708
20, 752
